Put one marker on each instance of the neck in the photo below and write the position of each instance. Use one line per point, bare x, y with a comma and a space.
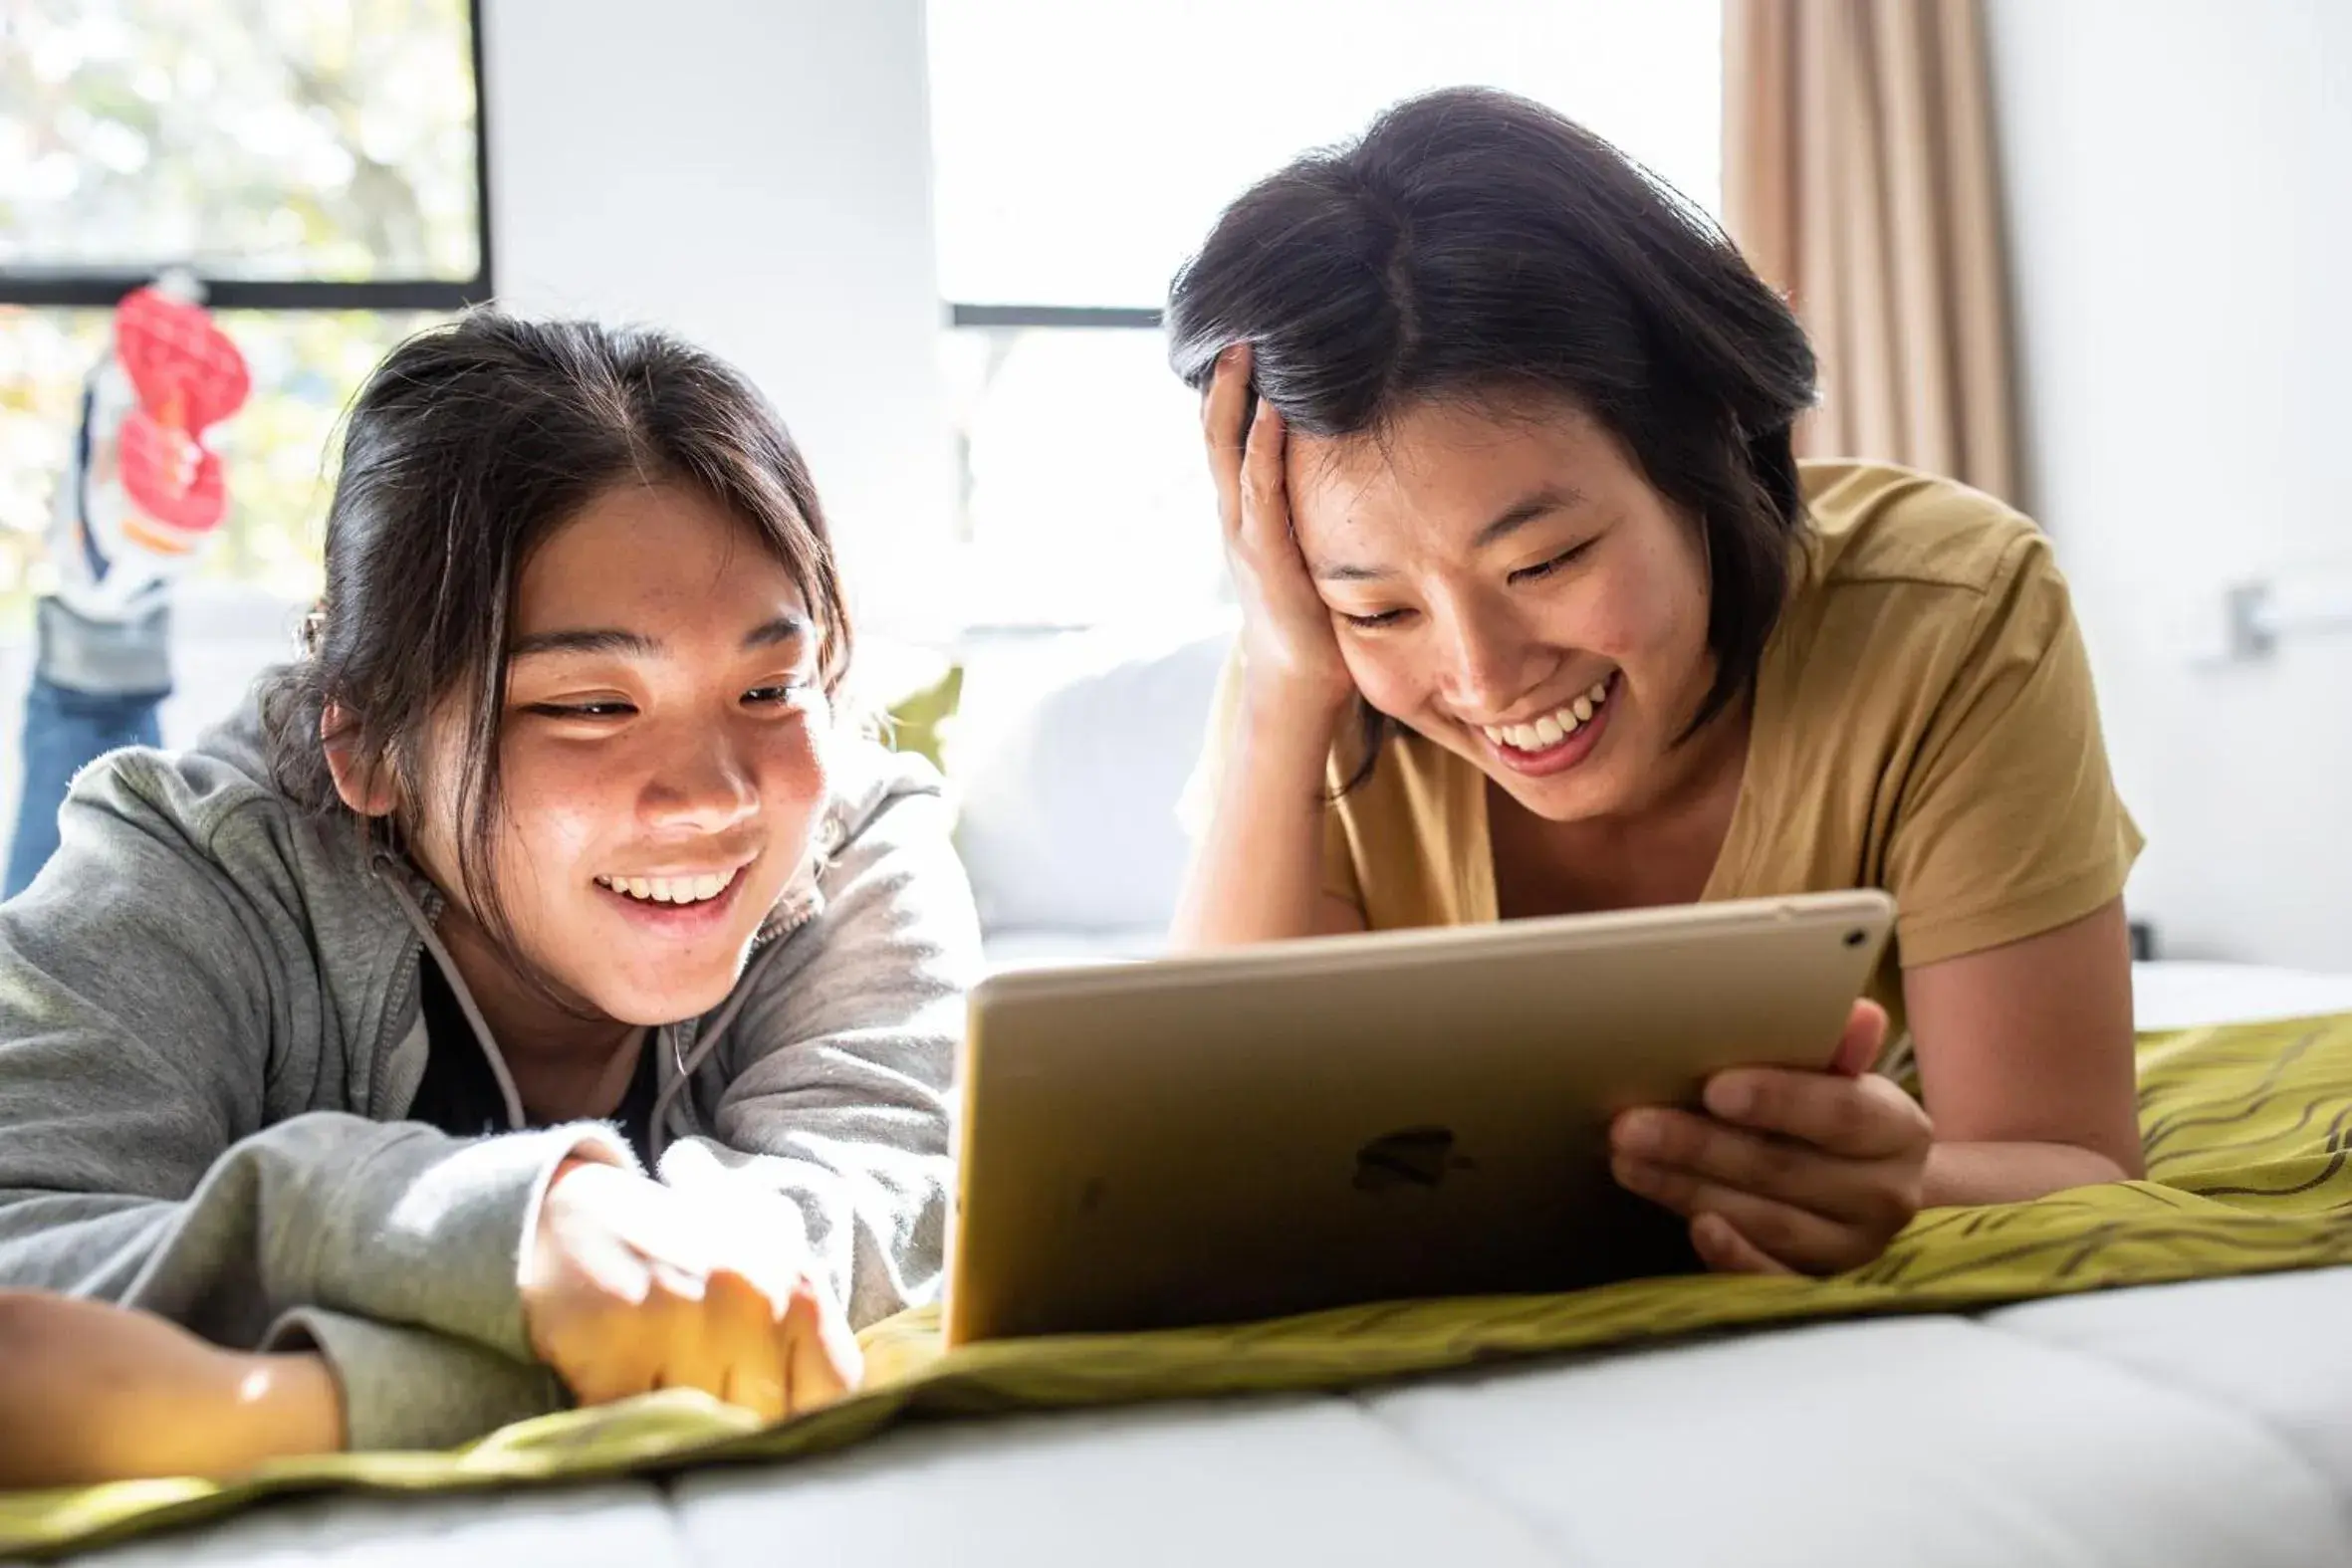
1707, 782
1663, 849
567, 1063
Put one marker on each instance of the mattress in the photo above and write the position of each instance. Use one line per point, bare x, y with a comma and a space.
2196, 1423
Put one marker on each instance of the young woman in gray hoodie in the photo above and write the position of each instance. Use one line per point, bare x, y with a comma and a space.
539, 994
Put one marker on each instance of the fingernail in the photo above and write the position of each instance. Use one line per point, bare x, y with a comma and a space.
1733, 1097
1638, 1133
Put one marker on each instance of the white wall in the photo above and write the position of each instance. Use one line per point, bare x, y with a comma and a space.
755, 175
2179, 210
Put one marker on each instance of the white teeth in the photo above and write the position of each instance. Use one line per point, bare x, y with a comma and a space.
669, 890
1552, 728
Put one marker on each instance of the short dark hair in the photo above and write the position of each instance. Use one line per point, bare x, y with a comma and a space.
1476, 245
470, 444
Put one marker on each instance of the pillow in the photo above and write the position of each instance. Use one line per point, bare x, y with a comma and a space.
1067, 757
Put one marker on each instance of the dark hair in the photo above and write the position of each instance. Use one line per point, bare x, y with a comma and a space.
1475, 244
466, 449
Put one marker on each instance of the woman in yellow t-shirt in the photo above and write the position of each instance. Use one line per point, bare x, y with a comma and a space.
1541, 615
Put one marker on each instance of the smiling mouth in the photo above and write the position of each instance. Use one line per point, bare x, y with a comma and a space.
1555, 729
688, 889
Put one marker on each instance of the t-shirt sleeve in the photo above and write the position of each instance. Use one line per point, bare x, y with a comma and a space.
1199, 796
1339, 878
2007, 823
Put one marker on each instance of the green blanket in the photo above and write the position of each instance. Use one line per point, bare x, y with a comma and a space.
2248, 1129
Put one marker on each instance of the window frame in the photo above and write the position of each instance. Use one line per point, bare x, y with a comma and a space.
103, 288
1054, 316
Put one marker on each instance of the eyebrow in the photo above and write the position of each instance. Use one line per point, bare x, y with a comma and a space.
1551, 497
635, 644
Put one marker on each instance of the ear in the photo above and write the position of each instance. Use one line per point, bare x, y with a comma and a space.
365, 786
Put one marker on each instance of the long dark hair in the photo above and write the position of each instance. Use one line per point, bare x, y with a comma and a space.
1476, 245
469, 445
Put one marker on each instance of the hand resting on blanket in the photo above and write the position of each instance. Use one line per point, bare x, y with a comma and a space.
628, 1286
631, 1286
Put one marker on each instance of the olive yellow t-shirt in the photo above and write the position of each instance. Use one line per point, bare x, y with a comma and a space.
1924, 723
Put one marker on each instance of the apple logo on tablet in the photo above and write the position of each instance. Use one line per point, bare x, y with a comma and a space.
1408, 1157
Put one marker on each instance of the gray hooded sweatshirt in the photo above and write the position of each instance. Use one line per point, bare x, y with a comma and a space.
211, 1024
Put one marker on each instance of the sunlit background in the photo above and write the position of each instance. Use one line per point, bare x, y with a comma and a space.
267, 140
938, 236
280, 140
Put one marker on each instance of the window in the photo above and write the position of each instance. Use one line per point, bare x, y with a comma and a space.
1082, 151
319, 167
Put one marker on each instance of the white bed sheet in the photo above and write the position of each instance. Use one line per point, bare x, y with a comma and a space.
2183, 1425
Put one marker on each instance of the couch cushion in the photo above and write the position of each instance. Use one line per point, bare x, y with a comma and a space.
1069, 758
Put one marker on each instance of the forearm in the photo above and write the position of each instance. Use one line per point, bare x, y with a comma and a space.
217, 1420
94, 1393
1967, 1173
286, 1406
1256, 875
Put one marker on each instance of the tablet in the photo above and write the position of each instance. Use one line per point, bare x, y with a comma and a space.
1271, 1130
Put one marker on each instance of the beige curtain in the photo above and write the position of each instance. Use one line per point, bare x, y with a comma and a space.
1858, 179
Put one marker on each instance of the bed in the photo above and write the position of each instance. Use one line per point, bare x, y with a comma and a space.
2207, 1423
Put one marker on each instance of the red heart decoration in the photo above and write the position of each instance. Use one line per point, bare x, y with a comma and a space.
154, 466
188, 373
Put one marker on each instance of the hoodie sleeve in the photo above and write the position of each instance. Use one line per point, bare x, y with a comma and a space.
163, 1040
409, 1388
840, 1066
